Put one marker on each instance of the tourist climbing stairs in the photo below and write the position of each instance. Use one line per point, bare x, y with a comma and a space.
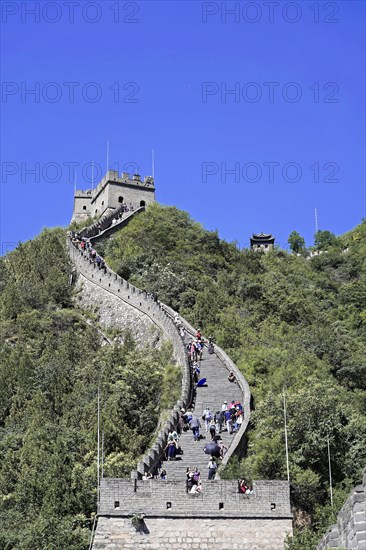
212, 394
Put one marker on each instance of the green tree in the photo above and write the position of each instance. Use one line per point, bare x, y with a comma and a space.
324, 239
296, 242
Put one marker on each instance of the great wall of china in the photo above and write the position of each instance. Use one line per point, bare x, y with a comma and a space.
219, 517
160, 515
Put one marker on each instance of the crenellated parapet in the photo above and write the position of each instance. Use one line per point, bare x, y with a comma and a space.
350, 530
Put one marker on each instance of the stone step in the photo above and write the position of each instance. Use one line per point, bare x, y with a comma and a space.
218, 390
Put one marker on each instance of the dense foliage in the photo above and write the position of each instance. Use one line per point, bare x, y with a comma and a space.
293, 325
52, 363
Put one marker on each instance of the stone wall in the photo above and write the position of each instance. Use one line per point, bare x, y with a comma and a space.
133, 194
82, 203
155, 497
350, 530
237, 445
113, 313
192, 534
114, 193
108, 280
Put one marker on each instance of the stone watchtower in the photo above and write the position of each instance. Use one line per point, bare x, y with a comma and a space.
262, 242
112, 192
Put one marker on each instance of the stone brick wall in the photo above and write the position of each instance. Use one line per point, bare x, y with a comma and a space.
82, 202
192, 534
155, 497
133, 194
104, 227
115, 285
162, 316
350, 530
114, 313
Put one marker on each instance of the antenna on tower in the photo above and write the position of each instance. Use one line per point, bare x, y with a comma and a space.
107, 155
316, 221
92, 174
153, 163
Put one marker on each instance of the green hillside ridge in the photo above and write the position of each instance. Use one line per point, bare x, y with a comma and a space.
288, 322
285, 320
51, 364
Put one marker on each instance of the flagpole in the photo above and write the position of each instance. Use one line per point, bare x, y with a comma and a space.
330, 473
107, 155
153, 163
286, 442
98, 437
102, 454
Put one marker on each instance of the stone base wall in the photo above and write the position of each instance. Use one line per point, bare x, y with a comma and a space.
113, 313
350, 530
192, 534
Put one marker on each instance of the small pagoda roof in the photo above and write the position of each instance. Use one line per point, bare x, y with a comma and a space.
261, 237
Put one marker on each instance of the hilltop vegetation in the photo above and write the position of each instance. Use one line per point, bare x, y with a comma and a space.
52, 363
288, 322
291, 324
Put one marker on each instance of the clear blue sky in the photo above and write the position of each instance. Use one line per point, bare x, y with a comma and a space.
294, 128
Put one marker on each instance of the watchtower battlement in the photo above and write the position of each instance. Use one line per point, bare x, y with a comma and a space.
111, 192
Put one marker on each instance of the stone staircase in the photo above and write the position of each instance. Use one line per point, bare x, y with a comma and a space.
212, 394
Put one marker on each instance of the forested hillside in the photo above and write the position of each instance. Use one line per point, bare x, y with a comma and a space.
292, 324
52, 363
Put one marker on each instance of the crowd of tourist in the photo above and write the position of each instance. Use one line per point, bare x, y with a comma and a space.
230, 417
84, 244
107, 221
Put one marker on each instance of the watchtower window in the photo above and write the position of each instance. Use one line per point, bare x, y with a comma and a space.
120, 199
142, 203
84, 207
102, 203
